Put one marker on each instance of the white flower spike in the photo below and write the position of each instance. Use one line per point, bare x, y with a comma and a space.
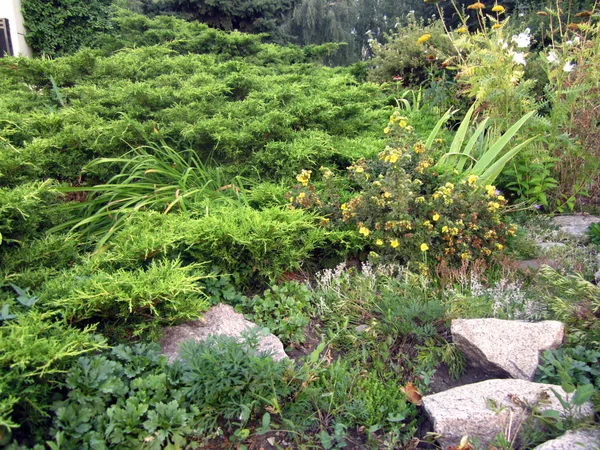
523, 40
519, 58
552, 57
569, 66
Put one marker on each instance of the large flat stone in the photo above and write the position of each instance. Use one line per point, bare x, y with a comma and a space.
219, 320
468, 410
575, 225
506, 347
574, 440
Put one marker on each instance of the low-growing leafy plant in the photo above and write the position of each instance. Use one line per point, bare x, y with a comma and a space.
131, 398
593, 232
579, 365
284, 309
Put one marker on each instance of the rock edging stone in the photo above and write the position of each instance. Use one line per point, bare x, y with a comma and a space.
219, 320
506, 347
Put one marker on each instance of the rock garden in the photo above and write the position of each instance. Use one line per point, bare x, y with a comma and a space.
212, 239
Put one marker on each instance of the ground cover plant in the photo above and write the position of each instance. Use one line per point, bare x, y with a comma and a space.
174, 166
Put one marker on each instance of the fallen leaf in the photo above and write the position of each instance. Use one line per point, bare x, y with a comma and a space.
412, 393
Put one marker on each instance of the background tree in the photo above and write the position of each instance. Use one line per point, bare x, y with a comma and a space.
57, 27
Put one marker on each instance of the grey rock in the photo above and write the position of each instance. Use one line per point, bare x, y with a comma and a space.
574, 440
506, 347
530, 264
597, 277
575, 225
219, 320
361, 328
483, 410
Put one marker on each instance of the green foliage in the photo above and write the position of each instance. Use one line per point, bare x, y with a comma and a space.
576, 365
35, 351
355, 399
133, 302
123, 399
63, 26
593, 233
226, 96
408, 209
284, 309
574, 301
153, 178
403, 56
229, 380
22, 210
238, 240
250, 16
126, 396
530, 178
491, 156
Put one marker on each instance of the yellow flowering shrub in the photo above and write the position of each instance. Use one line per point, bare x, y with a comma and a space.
405, 208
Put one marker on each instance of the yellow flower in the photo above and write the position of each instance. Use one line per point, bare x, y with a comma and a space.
472, 179
394, 243
301, 195
444, 229
498, 9
303, 177
386, 130
424, 38
501, 198
359, 169
378, 242
496, 26
476, 5
420, 200
344, 207
463, 29
419, 147
327, 173
436, 217
387, 194
364, 231
394, 158
424, 247
402, 123
499, 246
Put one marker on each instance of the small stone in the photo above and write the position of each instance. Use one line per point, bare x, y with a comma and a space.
574, 440
484, 410
506, 347
219, 320
361, 328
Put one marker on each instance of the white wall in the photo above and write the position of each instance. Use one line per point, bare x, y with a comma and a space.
11, 10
